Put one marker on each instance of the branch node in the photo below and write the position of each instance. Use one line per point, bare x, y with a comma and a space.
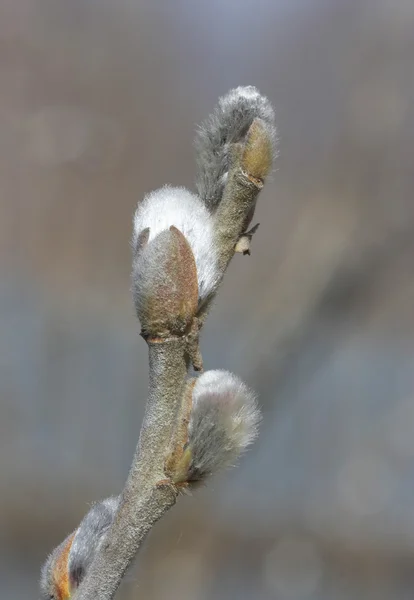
243, 245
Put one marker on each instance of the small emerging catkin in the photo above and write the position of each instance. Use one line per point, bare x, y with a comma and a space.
66, 566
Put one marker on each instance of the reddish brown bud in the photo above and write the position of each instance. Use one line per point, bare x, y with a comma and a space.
258, 152
164, 282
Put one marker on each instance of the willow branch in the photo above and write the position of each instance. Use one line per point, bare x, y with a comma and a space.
147, 494
182, 245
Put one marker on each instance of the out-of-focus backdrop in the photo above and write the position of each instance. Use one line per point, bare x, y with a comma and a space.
98, 105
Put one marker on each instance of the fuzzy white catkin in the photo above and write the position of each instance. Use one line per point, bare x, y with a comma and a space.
223, 422
179, 207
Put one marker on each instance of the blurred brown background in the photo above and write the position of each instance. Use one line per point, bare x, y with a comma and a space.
98, 104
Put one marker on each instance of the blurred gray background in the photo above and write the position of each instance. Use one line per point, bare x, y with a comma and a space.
98, 104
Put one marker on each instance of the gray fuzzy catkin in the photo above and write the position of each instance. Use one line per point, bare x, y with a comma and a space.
228, 124
89, 537
224, 421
